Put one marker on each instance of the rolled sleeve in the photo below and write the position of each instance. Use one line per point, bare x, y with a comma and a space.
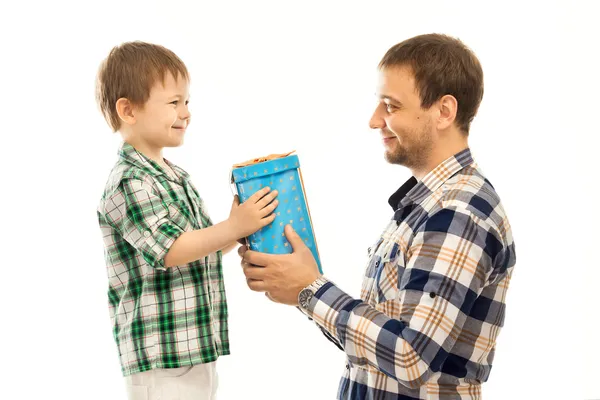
144, 220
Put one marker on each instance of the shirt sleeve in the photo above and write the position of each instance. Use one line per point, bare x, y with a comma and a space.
449, 262
146, 222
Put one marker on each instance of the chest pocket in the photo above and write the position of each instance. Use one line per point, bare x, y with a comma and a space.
386, 272
387, 265
381, 276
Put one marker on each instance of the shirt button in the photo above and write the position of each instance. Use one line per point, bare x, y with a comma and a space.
147, 233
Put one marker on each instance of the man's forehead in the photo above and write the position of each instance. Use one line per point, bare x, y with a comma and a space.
396, 75
395, 82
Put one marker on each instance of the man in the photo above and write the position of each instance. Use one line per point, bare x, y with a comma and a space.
433, 297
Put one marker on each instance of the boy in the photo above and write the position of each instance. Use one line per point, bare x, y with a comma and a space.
166, 293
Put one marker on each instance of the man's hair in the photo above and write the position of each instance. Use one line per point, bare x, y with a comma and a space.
441, 65
130, 71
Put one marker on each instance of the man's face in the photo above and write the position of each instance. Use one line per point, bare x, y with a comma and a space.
406, 129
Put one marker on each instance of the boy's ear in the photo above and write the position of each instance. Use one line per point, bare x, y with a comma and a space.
125, 111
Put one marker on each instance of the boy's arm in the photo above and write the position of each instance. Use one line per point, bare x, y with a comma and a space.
145, 222
193, 245
229, 247
243, 220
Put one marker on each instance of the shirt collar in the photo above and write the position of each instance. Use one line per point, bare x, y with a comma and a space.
129, 154
414, 192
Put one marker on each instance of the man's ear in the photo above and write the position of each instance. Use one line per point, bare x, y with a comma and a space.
125, 111
448, 107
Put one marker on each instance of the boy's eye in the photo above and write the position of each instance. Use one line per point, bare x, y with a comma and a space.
174, 102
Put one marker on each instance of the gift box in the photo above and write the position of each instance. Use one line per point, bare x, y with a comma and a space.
280, 172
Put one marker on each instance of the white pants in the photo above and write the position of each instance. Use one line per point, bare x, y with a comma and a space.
198, 382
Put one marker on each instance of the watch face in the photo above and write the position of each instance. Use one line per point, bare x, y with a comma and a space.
305, 296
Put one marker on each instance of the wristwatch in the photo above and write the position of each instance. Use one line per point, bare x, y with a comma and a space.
306, 294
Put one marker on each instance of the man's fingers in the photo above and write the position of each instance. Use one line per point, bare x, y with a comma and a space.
294, 239
258, 258
256, 285
254, 272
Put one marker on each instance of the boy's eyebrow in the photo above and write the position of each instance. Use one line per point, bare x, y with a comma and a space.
178, 96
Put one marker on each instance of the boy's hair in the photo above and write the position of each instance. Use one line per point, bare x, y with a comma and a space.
130, 71
441, 65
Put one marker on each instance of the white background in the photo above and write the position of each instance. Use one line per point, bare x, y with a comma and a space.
272, 77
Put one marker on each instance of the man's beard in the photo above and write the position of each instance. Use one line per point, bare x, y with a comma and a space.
414, 149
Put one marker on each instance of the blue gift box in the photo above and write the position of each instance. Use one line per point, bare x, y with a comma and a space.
281, 174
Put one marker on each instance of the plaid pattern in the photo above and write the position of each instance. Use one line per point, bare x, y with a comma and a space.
433, 297
161, 317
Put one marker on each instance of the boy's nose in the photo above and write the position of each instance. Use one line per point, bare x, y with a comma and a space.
185, 114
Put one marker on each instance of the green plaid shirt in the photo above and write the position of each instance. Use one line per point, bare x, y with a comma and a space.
161, 317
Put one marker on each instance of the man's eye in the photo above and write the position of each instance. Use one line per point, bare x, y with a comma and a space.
390, 108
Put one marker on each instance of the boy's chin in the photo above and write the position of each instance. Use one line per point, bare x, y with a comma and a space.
173, 142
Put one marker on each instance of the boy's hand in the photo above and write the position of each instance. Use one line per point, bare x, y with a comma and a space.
254, 214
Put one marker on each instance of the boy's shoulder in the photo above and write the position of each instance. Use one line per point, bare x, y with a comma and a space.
121, 171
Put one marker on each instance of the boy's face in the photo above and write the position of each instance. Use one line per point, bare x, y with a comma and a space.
162, 121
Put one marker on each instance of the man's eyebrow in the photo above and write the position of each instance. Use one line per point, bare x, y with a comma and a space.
389, 98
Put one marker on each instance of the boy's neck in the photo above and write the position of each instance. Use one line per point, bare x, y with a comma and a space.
153, 153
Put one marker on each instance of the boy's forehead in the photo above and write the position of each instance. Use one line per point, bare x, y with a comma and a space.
170, 85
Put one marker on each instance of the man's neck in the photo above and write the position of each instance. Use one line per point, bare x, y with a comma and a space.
438, 155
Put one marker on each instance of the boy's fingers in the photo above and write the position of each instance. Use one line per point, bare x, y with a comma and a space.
269, 208
259, 194
267, 220
266, 200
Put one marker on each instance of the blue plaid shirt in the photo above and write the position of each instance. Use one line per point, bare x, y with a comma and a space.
433, 297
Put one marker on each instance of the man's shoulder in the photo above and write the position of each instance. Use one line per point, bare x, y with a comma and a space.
470, 192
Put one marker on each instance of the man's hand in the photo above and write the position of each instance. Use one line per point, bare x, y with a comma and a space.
281, 276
